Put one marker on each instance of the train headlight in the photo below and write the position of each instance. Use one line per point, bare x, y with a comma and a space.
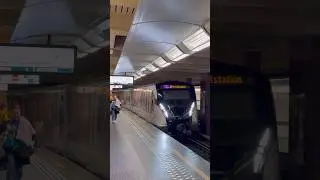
191, 109
259, 157
165, 112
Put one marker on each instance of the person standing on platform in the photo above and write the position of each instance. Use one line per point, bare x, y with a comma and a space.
118, 103
113, 111
115, 107
19, 144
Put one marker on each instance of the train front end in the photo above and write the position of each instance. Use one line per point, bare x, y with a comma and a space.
177, 102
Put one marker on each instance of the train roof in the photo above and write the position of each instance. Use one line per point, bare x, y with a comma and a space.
174, 82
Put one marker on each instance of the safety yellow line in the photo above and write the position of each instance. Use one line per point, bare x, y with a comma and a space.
198, 171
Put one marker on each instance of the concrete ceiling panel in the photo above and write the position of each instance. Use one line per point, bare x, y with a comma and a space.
187, 11
160, 25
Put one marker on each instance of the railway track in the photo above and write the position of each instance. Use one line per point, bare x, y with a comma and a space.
198, 147
200, 144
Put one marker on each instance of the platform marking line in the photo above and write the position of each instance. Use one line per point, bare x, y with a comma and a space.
197, 170
41, 170
162, 158
51, 168
46, 169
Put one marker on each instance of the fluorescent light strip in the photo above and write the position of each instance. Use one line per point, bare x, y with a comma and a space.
173, 53
161, 62
196, 42
134, 75
141, 71
203, 46
181, 57
152, 68
198, 38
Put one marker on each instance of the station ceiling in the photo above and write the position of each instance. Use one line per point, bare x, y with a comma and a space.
161, 26
266, 26
80, 23
121, 15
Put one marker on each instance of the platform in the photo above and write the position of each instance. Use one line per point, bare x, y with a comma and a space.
140, 151
46, 165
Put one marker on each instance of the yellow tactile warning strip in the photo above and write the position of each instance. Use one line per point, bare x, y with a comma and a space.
173, 163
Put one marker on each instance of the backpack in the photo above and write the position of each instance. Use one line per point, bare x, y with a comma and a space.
19, 148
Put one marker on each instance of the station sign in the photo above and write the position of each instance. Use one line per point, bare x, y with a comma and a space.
121, 80
227, 80
19, 79
23, 58
116, 87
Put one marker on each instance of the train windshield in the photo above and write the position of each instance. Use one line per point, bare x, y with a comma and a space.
176, 97
176, 94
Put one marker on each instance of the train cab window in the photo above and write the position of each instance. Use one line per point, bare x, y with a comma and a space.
176, 94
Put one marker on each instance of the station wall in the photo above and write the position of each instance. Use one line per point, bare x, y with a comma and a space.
142, 103
72, 121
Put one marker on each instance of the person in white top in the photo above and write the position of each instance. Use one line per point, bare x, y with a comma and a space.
25, 131
118, 102
19, 128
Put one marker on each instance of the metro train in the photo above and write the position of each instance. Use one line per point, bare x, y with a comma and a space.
177, 102
170, 105
244, 130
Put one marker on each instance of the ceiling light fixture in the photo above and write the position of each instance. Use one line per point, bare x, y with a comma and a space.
142, 71
175, 54
152, 68
197, 39
201, 47
181, 57
160, 62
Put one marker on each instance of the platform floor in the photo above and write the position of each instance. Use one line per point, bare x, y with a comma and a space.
46, 165
140, 151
